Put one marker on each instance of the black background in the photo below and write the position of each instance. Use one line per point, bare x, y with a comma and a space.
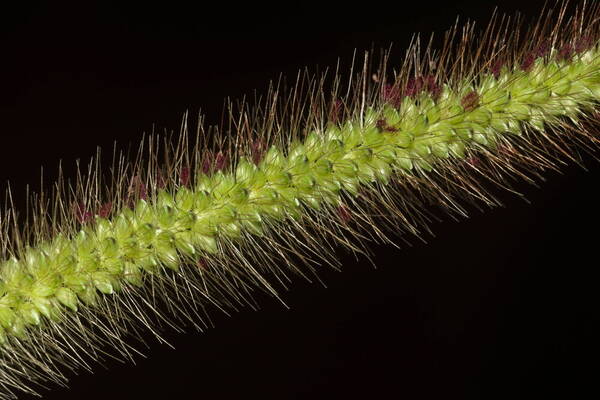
501, 305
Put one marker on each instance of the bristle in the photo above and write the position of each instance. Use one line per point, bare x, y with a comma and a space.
205, 219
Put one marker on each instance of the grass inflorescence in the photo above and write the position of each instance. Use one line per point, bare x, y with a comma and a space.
206, 221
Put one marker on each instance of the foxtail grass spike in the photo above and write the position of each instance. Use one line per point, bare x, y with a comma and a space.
207, 219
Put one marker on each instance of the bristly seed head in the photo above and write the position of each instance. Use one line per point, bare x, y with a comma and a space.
376, 160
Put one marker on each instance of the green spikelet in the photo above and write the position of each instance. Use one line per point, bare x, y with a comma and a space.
427, 137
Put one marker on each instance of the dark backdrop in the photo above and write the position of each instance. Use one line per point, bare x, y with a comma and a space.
501, 305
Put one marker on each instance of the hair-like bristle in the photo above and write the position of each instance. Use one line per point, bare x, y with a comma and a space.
205, 219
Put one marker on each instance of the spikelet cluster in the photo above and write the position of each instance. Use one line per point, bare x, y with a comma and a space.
208, 220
